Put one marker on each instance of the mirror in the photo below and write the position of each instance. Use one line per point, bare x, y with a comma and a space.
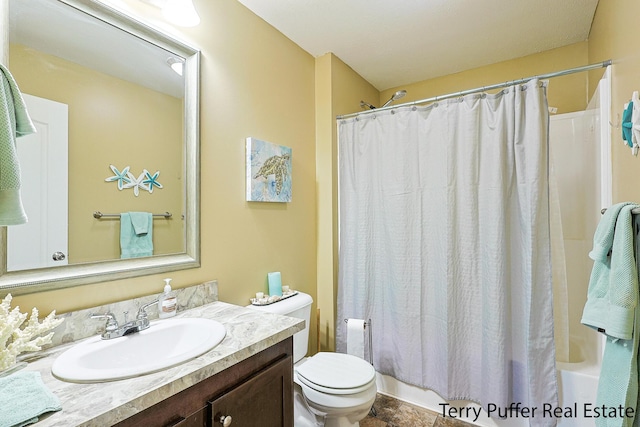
110, 89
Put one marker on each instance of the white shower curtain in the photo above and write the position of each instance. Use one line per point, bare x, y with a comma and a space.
444, 245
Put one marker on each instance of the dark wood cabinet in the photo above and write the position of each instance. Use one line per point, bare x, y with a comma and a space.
263, 400
255, 392
197, 419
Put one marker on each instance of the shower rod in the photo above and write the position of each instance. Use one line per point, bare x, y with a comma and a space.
484, 88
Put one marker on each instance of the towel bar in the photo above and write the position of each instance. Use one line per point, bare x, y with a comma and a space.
634, 211
98, 215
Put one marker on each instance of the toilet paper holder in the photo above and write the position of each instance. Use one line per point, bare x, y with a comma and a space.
365, 323
370, 344
372, 411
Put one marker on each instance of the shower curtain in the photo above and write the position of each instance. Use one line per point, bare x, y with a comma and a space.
444, 245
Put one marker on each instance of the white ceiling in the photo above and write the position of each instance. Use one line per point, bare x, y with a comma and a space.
395, 42
63, 31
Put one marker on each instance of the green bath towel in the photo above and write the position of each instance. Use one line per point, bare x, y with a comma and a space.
613, 287
136, 234
23, 398
14, 122
612, 307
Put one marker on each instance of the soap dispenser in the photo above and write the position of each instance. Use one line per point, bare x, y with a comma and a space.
167, 303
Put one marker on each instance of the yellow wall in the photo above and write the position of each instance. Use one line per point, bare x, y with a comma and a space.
567, 93
610, 39
339, 90
255, 82
111, 121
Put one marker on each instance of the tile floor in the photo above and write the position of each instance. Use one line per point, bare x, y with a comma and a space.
396, 413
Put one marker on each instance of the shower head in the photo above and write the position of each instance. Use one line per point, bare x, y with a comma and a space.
366, 105
399, 94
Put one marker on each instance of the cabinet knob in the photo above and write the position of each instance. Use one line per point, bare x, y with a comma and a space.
225, 420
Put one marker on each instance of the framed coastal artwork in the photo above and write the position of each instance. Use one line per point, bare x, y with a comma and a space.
268, 171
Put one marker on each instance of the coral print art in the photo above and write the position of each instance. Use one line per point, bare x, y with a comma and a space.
268, 172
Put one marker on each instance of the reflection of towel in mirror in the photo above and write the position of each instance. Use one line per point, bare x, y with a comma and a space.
14, 122
136, 234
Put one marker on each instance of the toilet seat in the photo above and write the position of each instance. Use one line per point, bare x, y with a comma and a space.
336, 373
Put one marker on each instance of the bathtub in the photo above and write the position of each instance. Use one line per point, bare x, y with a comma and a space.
577, 385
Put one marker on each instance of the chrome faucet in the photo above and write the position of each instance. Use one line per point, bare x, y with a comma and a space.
113, 330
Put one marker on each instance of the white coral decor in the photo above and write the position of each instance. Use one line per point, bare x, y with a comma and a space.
14, 340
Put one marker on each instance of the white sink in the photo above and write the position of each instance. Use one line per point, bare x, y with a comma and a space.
164, 344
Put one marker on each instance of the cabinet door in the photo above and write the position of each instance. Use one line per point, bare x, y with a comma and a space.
197, 419
265, 399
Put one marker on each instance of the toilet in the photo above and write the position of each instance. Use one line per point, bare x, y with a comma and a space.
330, 389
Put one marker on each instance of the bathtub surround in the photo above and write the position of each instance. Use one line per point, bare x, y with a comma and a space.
460, 251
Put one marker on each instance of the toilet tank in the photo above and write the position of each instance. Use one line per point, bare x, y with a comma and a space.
298, 306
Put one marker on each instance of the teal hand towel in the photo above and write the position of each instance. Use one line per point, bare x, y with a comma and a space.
140, 222
603, 237
23, 398
618, 384
136, 234
613, 295
14, 122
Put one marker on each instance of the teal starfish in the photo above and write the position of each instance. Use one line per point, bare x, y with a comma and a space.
120, 177
152, 180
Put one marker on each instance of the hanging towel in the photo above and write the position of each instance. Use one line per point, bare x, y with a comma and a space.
613, 287
14, 122
24, 398
136, 234
612, 308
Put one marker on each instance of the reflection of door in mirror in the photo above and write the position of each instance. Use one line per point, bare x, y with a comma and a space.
43, 162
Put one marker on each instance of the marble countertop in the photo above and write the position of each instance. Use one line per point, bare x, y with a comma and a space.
102, 404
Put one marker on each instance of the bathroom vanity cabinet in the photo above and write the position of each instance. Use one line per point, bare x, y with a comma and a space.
248, 376
257, 391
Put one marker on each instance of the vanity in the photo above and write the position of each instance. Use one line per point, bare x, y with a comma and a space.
246, 380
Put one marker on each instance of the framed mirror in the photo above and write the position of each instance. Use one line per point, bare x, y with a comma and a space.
116, 106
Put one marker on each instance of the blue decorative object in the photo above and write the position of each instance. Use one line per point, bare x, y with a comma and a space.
627, 124
152, 180
275, 283
120, 177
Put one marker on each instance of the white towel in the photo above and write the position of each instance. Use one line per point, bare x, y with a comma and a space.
355, 337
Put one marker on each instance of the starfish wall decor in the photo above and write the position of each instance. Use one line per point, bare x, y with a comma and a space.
125, 179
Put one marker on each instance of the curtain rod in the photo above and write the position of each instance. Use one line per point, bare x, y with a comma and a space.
484, 88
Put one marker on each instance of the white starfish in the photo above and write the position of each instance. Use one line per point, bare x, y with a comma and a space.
136, 183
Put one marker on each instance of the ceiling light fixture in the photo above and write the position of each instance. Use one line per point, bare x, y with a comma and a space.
181, 12
176, 64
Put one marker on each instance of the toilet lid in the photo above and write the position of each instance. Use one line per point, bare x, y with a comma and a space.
336, 371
